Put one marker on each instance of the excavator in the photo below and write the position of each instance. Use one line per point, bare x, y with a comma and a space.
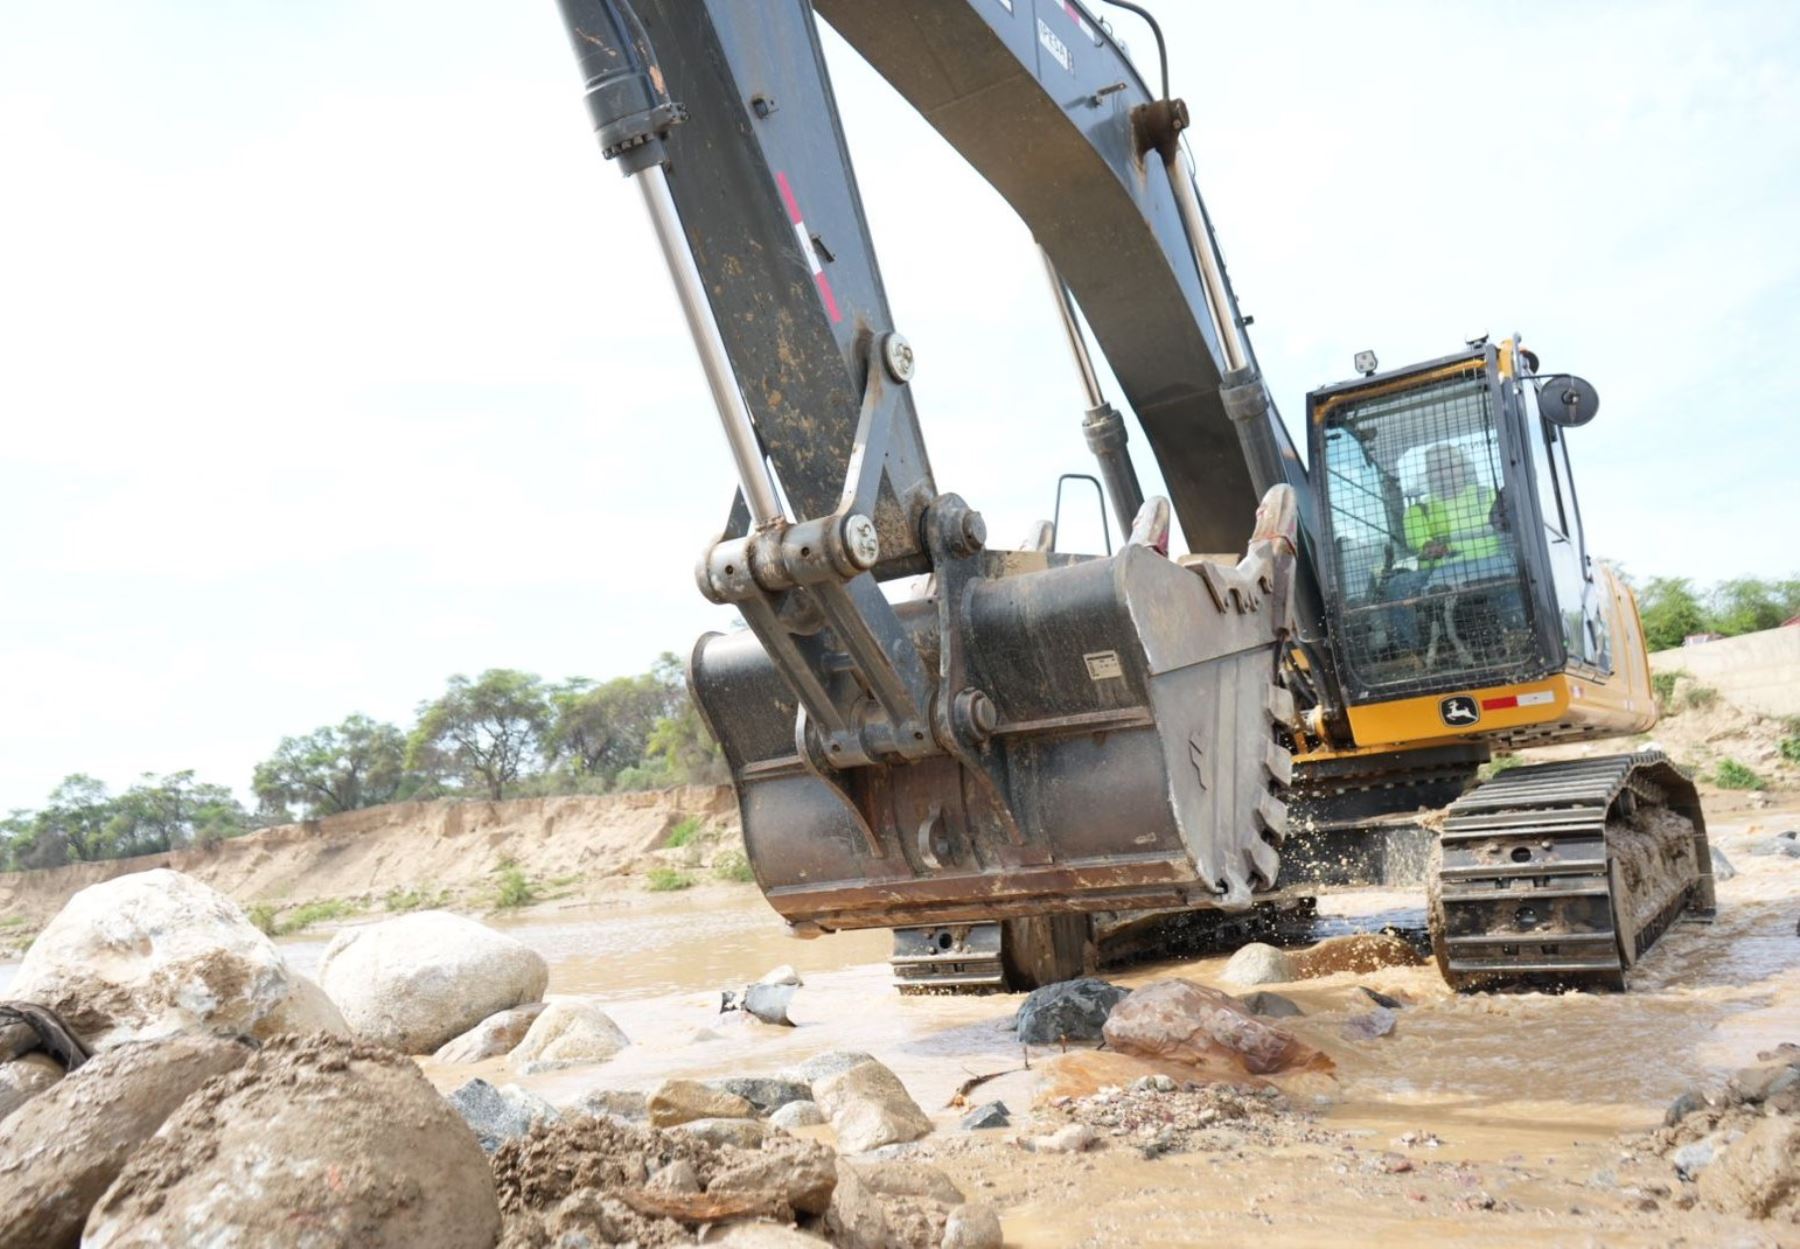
998, 752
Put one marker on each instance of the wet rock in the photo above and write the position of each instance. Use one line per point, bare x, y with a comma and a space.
498, 1114
910, 1179
1377, 997
1188, 1022
307, 1008
1782, 845
60, 1150
492, 1037
868, 1107
784, 974
569, 1032
678, 1177
416, 982
1359, 953
987, 1115
829, 1063
24, 1078
765, 1093
1684, 1105
861, 1218
1071, 1010
768, 1002
1722, 869
1757, 1176
1369, 1025
152, 954
626, 1105
682, 1101
1757, 1085
314, 1142
1256, 964
1073, 1138
742, 1133
1270, 1005
973, 1226
801, 1114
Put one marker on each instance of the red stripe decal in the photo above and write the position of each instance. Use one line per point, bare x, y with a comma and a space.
787, 197
793, 209
825, 294
1500, 704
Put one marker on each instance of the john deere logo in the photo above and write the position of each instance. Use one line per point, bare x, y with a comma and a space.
1460, 709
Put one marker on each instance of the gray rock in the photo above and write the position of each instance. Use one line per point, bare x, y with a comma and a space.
24, 1078
1722, 869
415, 982
498, 1034
987, 1115
682, 1101
1073, 1138
1686, 1104
784, 974
763, 1236
743, 1133
1758, 1084
1158, 1083
1270, 1005
1379, 998
1369, 1025
1256, 964
766, 1093
868, 1107
802, 1114
1072, 1010
1782, 846
499, 1114
627, 1105
769, 1002
828, 1063
973, 1225
1695, 1157
678, 1177
570, 1032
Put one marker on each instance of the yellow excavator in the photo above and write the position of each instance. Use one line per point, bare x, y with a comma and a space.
1030, 745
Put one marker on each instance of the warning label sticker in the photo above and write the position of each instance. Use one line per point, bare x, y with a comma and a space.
1103, 665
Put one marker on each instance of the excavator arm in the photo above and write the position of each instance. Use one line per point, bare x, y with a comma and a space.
1037, 733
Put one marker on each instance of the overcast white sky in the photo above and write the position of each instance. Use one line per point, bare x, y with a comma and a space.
334, 360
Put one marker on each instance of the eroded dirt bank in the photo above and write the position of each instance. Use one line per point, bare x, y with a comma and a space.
452, 848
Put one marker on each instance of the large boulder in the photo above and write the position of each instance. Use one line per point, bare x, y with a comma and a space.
682, 1101
570, 1032
316, 1142
1070, 1010
868, 1107
414, 982
306, 1009
152, 954
492, 1037
1256, 964
1191, 1023
1358, 952
60, 1150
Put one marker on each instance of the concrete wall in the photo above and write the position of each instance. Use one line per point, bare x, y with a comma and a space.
1760, 671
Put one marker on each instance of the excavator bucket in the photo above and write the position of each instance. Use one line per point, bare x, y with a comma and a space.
1130, 758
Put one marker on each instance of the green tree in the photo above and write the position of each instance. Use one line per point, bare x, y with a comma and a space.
1748, 604
169, 812
77, 818
1670, 610
343, 767
600, 730
485, 733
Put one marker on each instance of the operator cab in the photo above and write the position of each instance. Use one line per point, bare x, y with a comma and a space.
1452, 547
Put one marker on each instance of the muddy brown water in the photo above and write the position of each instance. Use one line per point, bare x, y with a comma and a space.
1527, 1094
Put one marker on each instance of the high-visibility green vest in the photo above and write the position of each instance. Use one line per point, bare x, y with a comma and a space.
1460, 522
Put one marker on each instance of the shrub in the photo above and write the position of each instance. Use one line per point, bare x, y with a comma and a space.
262, 914
683, 833
1699, 697
734, 866
1790, 749
1663, 684
402, 900
512, 888
1498, 764
667, 880
321, 912
1733, 775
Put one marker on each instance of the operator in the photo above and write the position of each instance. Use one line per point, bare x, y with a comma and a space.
1455, 519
